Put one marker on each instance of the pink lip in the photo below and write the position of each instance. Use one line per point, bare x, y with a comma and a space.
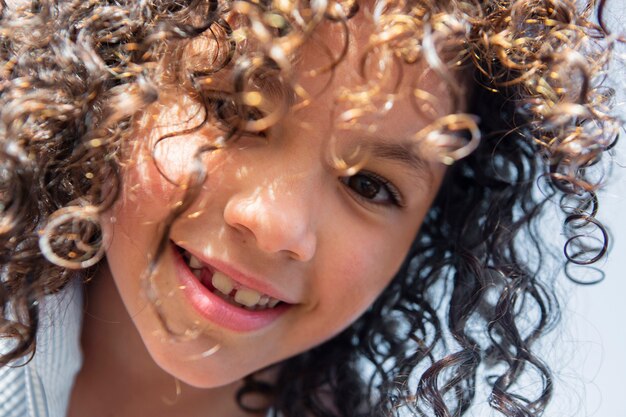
245, 280
218, 311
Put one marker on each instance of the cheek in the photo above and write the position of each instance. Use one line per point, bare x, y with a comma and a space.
160, 161
132, 226
364, 268
153, 184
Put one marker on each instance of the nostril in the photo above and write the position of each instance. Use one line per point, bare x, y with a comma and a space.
276, 226
237, 214
243, 230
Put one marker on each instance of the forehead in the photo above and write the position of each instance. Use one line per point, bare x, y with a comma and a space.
357, 77
367, 90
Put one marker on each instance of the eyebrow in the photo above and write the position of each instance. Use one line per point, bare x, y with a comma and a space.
276, 90
404, 152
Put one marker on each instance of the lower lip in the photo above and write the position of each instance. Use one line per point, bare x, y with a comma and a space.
218, 311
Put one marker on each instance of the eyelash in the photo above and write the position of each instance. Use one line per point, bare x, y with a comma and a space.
225, 110
394, 199
222, 106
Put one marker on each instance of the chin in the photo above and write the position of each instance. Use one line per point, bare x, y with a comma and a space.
204, 372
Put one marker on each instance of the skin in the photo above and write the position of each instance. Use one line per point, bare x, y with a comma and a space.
273, 207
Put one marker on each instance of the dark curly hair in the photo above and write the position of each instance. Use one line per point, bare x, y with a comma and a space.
472, 296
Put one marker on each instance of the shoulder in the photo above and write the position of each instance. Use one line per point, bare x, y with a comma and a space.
40, 387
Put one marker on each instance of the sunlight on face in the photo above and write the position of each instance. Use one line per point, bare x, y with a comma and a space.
278, 227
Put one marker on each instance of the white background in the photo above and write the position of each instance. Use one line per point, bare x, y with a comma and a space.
591, 348
589, 352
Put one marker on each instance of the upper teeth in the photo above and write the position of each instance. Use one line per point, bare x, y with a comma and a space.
223, 282
247, 297
243, 295
195, 263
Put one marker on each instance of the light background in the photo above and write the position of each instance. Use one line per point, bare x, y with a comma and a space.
588, 353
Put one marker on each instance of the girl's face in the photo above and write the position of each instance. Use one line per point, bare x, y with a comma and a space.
275, 221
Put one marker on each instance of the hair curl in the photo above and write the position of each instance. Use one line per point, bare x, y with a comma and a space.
75, 74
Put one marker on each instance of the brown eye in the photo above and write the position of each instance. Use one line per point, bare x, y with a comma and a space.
365, 186
233, 116
373, 188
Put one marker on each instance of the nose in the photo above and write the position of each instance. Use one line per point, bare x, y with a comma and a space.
278, 218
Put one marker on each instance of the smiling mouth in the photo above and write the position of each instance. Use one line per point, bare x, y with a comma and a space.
226, 288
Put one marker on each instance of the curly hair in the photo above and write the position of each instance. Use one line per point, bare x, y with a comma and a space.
472, 296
